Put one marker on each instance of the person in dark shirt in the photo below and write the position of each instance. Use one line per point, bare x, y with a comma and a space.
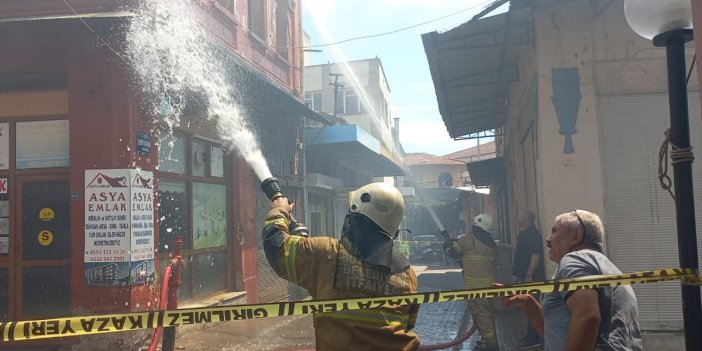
528, 265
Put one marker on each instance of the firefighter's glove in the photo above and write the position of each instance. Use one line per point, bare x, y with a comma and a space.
450, 249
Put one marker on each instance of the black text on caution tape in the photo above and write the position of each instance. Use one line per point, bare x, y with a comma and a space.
88, 325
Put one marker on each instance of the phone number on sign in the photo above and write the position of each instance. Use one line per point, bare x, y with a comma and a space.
107, 259
107, 252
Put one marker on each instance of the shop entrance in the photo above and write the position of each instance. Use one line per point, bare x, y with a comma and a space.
41, 283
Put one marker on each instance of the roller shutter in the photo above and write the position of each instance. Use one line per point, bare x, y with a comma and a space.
640, 215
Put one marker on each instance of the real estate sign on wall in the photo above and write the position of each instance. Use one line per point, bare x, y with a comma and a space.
119, 227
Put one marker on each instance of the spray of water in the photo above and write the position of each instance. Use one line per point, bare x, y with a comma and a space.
319, 18
424, 203
174, 56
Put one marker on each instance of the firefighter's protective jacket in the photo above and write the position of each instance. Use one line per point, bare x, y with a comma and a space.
324, 267
478, 261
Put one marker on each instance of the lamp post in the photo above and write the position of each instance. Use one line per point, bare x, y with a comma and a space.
669, 24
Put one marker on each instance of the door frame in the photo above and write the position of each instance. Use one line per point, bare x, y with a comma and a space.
17, 263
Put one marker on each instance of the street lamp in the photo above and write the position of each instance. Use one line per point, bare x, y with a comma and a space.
669, 24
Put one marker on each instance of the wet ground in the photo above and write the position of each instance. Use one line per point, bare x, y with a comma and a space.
437, 323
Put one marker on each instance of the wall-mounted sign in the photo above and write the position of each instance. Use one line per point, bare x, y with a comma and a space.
46, 214
42, 144
216, 161
119, 227
143, 144
45, 237
4, 145
3, 188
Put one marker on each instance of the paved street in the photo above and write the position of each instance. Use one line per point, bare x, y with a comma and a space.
437, 323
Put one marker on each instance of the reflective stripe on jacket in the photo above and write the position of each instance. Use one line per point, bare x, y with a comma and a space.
324, 267
478, 261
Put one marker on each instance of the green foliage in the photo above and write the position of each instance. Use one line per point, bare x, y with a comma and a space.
404, 247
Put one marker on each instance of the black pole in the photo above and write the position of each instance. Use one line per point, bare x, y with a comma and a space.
674, 42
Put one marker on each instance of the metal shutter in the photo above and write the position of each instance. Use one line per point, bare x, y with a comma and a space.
640, 215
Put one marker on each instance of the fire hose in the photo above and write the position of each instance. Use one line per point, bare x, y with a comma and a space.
169, 298
457, 341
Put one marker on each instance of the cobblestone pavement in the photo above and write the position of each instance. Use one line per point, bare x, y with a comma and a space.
437, 323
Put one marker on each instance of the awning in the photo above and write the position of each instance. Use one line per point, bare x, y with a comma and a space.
353, 147
488, 172
472, 67
253, 86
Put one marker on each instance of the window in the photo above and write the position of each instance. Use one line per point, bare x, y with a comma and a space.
42, 144
351, 103
339, 103
192, 195
445, 179
257, 18
227, 4
282, 28
314, 101
171, 154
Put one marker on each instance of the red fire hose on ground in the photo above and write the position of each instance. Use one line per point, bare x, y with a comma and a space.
169, 298
459, 339
455, 342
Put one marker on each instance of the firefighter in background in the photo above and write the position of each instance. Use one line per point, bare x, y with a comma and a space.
363, 263
476, 250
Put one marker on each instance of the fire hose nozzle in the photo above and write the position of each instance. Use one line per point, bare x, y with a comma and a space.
445, 234
271, 187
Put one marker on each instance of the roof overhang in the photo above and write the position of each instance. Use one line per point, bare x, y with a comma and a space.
74, 16
250, 82
473, 66
353, 147
488, 172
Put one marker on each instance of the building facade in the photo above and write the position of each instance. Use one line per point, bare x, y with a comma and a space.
581, 109
93, 192
361, 146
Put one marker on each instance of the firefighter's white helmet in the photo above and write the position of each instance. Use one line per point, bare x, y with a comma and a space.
382, 203
484, 221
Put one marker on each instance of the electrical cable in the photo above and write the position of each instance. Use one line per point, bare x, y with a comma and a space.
97, 35
393, 31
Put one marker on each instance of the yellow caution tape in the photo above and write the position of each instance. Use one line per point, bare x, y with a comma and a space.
108, 323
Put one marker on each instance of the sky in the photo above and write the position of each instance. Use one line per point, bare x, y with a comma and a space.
404, 61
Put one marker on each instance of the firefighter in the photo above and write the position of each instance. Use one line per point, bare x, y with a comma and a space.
362, 263
476, 250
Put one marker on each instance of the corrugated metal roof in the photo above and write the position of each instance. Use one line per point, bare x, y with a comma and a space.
112, 14
473, 66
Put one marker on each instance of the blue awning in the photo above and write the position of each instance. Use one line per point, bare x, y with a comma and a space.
353, 147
